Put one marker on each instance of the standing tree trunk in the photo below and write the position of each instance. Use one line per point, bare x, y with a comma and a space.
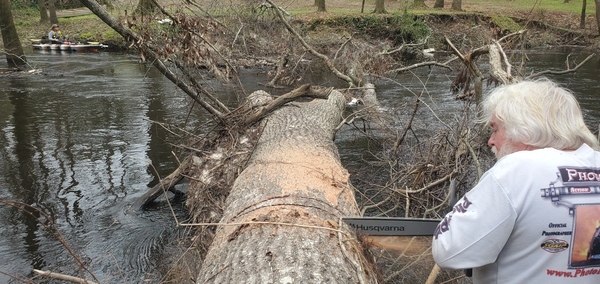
438, 4
456, 5
281, 222
44, 19
12, 45
380, 7
320, 5
52, 11
598, 14
582, 22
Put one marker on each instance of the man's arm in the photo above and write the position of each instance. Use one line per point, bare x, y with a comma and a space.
476, 230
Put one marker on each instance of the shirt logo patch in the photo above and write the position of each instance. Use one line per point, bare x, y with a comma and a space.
554, 245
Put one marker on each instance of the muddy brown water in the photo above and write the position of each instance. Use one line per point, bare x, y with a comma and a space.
78, 143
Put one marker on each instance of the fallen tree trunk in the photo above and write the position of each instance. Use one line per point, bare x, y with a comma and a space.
281, 223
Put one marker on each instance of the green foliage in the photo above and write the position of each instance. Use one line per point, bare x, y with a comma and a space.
22, 23
111, 35
506, 23
398, 27
553, 5
89, 36
22, 4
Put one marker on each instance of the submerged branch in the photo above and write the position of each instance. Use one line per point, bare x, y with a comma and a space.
65, 277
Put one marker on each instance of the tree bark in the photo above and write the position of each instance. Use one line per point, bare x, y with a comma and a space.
12, 45
320, 5
44, 19
52, 12
380, 7
281, 222
598, 14
456, 5
582, 20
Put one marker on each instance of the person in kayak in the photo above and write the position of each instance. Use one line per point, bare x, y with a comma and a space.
55, 35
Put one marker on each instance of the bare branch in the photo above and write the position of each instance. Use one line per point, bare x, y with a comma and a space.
148, 52
323, 57
568, 70
61, 276
301, 91
420, 64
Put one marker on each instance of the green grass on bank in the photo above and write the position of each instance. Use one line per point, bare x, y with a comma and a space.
89, 27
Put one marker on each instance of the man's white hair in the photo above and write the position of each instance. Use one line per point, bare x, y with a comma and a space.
539, 113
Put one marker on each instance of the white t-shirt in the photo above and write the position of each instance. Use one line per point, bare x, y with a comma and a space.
534, 217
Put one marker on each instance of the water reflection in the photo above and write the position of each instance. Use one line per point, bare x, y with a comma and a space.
76, 144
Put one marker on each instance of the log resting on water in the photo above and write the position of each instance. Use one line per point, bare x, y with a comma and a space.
284, 208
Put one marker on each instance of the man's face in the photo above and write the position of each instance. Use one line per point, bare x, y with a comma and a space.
502, 146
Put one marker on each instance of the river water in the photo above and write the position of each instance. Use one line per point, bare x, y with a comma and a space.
78, 143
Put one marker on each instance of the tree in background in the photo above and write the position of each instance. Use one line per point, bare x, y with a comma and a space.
12, 45
44, 19
456, 4
582, 22
320, 5
380, 7
52, 11
598, 14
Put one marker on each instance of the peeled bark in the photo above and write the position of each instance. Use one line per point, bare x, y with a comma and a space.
281, 222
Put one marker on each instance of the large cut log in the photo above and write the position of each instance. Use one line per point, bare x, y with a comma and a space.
281, 223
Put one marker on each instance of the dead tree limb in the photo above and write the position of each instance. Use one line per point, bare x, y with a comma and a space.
164, 184
150, 53
323, 57
568, 70
64, 277
420, 64
301, 91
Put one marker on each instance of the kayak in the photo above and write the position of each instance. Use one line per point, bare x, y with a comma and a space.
69, 46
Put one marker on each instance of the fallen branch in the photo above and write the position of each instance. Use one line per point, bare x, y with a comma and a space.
49, 225
301, 91
165, 184
420, 64
65, 277
568, 70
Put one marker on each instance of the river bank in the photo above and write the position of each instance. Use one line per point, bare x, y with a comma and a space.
479, 22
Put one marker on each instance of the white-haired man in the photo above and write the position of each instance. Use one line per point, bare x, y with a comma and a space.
534, 216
